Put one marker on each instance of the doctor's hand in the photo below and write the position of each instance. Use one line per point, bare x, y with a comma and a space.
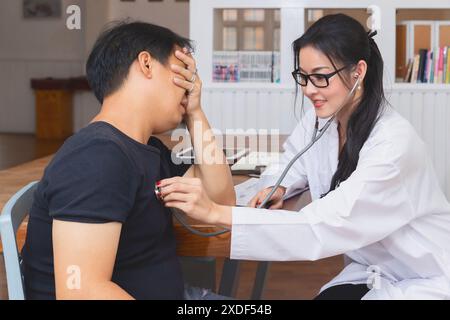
275, 202
189, 196
188, 79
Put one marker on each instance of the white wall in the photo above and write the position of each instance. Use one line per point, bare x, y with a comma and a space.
46, 48
168, 13
33, 49
95, 17
29, 39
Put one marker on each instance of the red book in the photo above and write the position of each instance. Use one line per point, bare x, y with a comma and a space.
441, 65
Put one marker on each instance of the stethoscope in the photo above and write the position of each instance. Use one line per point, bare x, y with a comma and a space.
314, 139
317, 134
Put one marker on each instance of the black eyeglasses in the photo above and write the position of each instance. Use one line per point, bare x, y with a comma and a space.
319, 80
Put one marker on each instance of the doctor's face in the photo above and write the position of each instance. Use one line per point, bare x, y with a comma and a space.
326, 97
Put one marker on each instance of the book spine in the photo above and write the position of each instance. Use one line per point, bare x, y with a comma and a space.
444, 69
415, 69
433, 62
425, 67
408, 71
436, 65
441, 64
428, 73
422, 61
448, 65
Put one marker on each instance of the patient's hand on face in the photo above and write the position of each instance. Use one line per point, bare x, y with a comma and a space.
275, 202
188, 79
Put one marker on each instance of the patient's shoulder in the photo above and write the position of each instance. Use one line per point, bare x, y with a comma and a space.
96, 146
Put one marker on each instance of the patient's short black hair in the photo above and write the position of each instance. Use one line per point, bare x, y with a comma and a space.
119, 46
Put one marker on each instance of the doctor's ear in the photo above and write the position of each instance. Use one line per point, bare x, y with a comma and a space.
145, 61
360, 70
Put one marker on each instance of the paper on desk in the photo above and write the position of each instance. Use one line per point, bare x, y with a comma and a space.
254, 160
246, 191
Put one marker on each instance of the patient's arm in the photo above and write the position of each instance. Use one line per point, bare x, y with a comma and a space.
84, 256
214, 173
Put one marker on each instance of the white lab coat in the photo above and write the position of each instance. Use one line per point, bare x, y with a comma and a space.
390, 217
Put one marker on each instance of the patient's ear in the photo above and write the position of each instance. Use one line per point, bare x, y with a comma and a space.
145, 62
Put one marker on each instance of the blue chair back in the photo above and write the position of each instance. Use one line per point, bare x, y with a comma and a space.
13, 214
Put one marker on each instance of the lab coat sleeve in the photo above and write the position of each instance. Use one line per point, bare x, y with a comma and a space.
296, 178
371, 204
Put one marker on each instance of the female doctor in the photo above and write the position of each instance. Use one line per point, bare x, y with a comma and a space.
375, 194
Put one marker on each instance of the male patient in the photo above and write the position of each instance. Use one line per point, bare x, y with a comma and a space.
96, 228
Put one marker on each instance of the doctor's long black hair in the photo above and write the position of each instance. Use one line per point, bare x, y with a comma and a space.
344, 41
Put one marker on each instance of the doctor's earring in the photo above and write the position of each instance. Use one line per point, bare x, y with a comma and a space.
356, 77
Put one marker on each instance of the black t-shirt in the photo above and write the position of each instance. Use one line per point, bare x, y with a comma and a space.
101, 175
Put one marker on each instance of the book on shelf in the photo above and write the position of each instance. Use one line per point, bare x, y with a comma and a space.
433, 64
445, 65
447, 79
440, 65
226, 67
429, 66
415, 70
422, 62
246, 66
409, 67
